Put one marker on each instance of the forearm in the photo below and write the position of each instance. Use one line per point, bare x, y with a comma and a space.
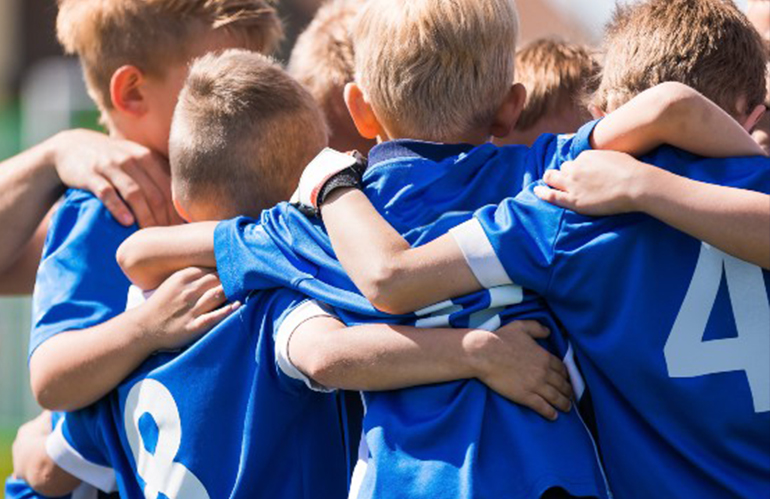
391, 274
77, 368
19, 279
674, 114
734, 220
150, 256
29, 186
386, 357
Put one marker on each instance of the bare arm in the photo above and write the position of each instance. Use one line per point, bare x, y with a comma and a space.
601, 183
32, 464
387, 357
76, 368
150, 256
674, 114
120, 173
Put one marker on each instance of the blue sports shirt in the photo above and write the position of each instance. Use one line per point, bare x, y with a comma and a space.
673, 335
222, 419
79, 282
452, 439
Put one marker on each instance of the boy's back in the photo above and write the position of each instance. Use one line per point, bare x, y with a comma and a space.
672, 335
242, 430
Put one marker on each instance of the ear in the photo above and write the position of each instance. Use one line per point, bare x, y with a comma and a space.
510, 110
127, 91
361, 111
596, 113
753, 118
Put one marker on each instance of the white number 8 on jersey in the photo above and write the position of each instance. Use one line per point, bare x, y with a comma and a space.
159, 471
687, 355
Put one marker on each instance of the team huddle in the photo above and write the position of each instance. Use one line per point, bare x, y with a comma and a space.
541, 274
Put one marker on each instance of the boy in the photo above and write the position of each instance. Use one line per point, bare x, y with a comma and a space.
414, 86
322, 60
690, 404
134, 56
556, 75
274, 436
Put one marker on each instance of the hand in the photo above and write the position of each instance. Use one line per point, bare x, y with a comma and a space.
516, 367
28, 433
597, 183
184, 308
132, 181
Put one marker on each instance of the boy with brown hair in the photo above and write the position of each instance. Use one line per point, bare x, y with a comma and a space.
323, 61
557, 76
430, 71
134, 55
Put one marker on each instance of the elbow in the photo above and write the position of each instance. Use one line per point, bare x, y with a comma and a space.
130, 261
675, 100
45, 389
382, 289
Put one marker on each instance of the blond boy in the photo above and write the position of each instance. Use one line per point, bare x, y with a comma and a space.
557, 76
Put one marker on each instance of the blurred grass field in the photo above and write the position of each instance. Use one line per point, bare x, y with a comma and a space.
6, 439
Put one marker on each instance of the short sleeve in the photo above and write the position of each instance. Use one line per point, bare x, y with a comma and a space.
76, 448
512, 242
288, 322
79, 283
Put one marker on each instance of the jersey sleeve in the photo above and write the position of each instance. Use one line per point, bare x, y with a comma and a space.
79, 283
75, 446
294, 310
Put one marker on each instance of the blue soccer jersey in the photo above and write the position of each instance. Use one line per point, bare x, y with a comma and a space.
223, 419
79, 283
673, 335
452, 439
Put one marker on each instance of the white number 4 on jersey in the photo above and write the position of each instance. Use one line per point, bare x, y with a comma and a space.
687, 355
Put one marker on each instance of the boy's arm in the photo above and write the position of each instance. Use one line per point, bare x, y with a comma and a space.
130, 180
32, 464
674, 114
599, 183
76, 368
392, 275
387, 357
150, 256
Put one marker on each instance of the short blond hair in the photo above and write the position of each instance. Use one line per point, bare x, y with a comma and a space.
148, 34
709, 45
435, 69
557, 75
243, 130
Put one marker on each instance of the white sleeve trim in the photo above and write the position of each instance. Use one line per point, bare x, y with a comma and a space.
479, 254
305, 311
136, 296
71, 461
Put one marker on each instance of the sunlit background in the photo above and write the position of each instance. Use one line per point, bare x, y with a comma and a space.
41, 92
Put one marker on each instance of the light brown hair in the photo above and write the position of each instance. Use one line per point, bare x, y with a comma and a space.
435, 69
706, 44
242, 133
150, 34
557, 75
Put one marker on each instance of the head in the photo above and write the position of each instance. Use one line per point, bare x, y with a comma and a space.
435, 70
556, 75
242, 133
323, 61
135, 53
709, 45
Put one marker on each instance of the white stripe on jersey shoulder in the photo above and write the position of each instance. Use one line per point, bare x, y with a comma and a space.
136, 296
303, 312
479, 254
575, 376
71, 461
85, 491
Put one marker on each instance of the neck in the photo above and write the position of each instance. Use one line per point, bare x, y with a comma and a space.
476, 138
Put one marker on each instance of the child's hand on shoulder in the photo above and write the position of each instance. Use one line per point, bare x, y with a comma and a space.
598, 183
184, 308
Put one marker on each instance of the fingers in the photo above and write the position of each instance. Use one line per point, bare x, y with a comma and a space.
534, 329
538, 404
150, 194
556, 179
560, 383
107, 194
555, 398
157, 170
207, 321
555, 197
211, 299
132, 193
